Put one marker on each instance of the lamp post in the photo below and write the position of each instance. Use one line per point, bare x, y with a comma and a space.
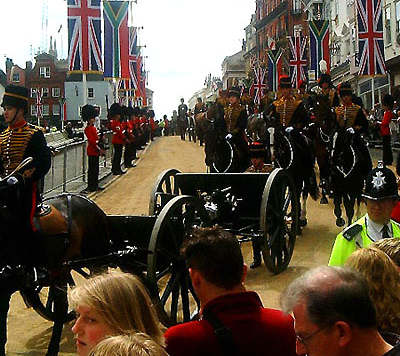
62, 102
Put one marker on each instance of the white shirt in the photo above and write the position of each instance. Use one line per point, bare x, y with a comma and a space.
374, 230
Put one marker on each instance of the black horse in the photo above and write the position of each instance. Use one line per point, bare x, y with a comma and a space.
75, 228
350, 163
223, 155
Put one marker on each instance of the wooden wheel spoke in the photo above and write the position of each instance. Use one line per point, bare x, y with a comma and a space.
185, 297
163, 273
171, 285
172, 235
168, 185
174, 303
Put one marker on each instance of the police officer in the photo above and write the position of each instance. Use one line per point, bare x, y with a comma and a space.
380, 196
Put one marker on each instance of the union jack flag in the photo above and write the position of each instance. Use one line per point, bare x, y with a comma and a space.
84, 36
370, 37
39, 104
298, 60
133, 54
259, 85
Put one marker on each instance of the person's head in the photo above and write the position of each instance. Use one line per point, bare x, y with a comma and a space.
199, 100
215, 261
257, 153
15, 103
391, 247
388, 102
285, 85
115, 112
89, 113
325, 81
346, 93
331, 305
112, 304
380, 194
182, 100
383, 280
135, 344
234, 95
165, 117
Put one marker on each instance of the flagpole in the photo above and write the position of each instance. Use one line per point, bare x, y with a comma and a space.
84, 88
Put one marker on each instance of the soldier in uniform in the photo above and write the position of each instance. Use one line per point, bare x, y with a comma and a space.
351, 117
381, 196
258, 153
118, 138
199, 107
19, 141
327, 91
182, 119
235, 124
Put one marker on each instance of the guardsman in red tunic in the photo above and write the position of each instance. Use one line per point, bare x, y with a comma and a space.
118, 139
388, 116
89, 114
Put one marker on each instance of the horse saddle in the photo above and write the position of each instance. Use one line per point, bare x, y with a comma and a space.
48, 221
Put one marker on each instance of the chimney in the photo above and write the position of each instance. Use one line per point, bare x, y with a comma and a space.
28, 65
9, 64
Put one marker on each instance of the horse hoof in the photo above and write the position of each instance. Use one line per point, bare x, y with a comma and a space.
323, 200
340, 222
302, 222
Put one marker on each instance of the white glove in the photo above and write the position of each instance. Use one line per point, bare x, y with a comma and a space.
228, 137
350, 130
289, 129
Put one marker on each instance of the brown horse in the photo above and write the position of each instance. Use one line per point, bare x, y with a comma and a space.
201, 125
75, 228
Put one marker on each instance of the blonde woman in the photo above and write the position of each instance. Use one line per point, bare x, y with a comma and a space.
128, 345
112, 304
384, 285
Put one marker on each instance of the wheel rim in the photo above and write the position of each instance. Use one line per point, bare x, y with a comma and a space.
176, 299
279, 221
164, 186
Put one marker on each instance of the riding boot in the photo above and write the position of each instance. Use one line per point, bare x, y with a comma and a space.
256, 255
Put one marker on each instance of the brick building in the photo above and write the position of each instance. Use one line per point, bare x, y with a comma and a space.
48, 74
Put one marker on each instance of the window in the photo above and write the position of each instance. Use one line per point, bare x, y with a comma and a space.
44, 72
388, 33
56, 109
15, 78
33, 110
45, 110
45, 92
33, 92
398, 16
90, 92
55, 92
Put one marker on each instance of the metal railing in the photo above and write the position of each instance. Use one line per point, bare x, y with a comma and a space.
69, 166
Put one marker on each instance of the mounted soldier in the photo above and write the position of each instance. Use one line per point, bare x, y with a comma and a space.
19, 141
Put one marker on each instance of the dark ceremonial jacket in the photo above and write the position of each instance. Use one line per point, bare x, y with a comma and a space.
289, 112
351, 116
255, 330
17, 143
235, 117
198, 108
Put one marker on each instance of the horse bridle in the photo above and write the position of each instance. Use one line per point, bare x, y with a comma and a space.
345, 175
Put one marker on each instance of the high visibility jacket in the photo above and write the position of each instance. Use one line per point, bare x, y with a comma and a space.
353, 237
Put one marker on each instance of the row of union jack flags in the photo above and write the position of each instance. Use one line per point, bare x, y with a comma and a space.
122, 59
306, 53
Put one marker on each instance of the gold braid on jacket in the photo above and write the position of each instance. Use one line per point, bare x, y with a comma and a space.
285, 108
346, 115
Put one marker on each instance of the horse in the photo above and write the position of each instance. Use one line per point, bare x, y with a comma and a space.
201, 125
350, 164
222, 155
73, 227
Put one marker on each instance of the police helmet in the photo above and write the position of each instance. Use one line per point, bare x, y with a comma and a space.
381, 184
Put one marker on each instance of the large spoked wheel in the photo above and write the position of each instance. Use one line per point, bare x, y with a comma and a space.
176, 300
279, 221
51, 302
164, 189
224, 156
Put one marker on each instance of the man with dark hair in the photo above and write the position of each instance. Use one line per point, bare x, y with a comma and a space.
334, 315
233, 320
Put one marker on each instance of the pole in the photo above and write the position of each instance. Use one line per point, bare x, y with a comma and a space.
84, 88
373, 91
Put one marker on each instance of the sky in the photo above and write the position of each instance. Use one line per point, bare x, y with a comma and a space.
185, 39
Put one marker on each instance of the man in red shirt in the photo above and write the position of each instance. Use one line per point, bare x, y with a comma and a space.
387, 104
89, 114
118, 139
233, 320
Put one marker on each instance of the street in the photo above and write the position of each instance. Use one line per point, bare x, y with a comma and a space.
129, 195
